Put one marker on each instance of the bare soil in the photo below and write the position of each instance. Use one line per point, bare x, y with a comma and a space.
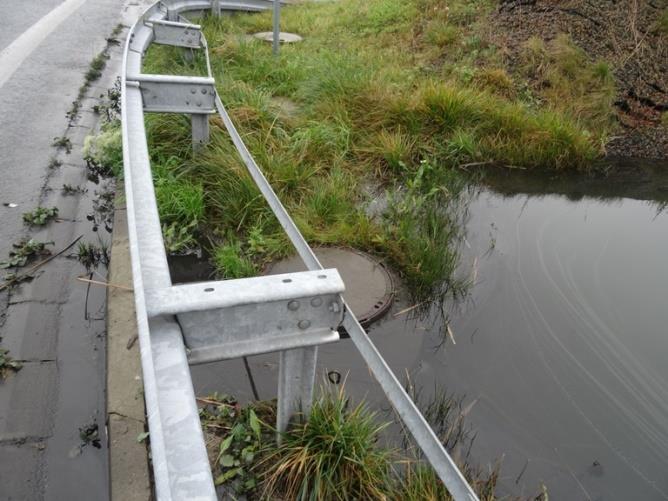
621, 32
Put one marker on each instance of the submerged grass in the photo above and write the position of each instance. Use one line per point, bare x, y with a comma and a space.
385, 99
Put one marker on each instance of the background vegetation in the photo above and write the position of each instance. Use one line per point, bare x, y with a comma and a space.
364, 130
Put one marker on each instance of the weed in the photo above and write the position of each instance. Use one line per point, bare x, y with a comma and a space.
664, 118
90, 434
24, 251
333, 455
179, 239
69, 189
91, 255
117, 30
237, 437
103, 210
8, 364
662, 23
230, 262
96, 66
40, 216
54, 163
62, 143
103, 152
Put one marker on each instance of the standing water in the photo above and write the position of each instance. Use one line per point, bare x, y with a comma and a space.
563, 344
560, 347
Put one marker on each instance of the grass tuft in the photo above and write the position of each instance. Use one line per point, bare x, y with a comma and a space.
332, 456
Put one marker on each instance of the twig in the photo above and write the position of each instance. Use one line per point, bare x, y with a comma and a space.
475, 164
217, 426
106, 284
212, 402
20, 277
86, 302
410, 308
131, 342
452, 337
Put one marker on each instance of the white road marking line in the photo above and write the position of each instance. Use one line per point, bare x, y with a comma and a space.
13, 55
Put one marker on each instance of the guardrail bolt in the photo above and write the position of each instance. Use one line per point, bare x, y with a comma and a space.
316, 301
193, 91
304, 324
293, 305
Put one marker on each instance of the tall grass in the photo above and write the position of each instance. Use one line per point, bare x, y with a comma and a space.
340, 453
332, 456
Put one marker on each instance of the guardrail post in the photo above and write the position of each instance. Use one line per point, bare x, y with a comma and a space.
277, 26
215, 7
200, 127
296, 377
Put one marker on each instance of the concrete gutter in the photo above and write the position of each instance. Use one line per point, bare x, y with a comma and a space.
129, 477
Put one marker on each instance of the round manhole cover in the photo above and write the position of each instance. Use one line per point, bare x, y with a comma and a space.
369, 288
268, 36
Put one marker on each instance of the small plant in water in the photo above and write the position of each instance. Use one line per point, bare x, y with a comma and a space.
24, 251
7, 363
62, 143
40, 216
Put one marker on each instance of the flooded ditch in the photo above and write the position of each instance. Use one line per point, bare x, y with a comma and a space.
559, 347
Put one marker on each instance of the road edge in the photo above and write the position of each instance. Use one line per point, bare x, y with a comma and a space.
129, 477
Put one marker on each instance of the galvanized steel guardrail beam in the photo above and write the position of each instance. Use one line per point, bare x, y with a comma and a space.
180, 463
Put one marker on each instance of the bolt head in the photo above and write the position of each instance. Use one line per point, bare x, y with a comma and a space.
293, 305
193, 91
203, 91
304, 324
316, 301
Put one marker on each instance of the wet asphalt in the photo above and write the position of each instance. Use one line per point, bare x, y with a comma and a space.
54, 324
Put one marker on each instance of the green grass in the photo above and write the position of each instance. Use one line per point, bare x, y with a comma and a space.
342, 452
377, 91
662, 23
332, 456
96, 67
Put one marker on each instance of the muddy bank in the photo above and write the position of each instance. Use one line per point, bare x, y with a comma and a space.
628, 35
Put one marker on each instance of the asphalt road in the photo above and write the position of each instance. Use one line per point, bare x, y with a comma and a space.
53, 324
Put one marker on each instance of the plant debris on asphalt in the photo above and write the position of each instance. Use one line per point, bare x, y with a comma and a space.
24, 251
40, 216
8, 364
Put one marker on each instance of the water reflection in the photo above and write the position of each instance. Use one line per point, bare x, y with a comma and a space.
562, 344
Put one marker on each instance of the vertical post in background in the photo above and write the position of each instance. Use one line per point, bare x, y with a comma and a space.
296, 378
215, 7
277, 26
200, 130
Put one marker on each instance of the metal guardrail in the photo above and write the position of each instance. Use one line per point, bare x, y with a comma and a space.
203, 322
